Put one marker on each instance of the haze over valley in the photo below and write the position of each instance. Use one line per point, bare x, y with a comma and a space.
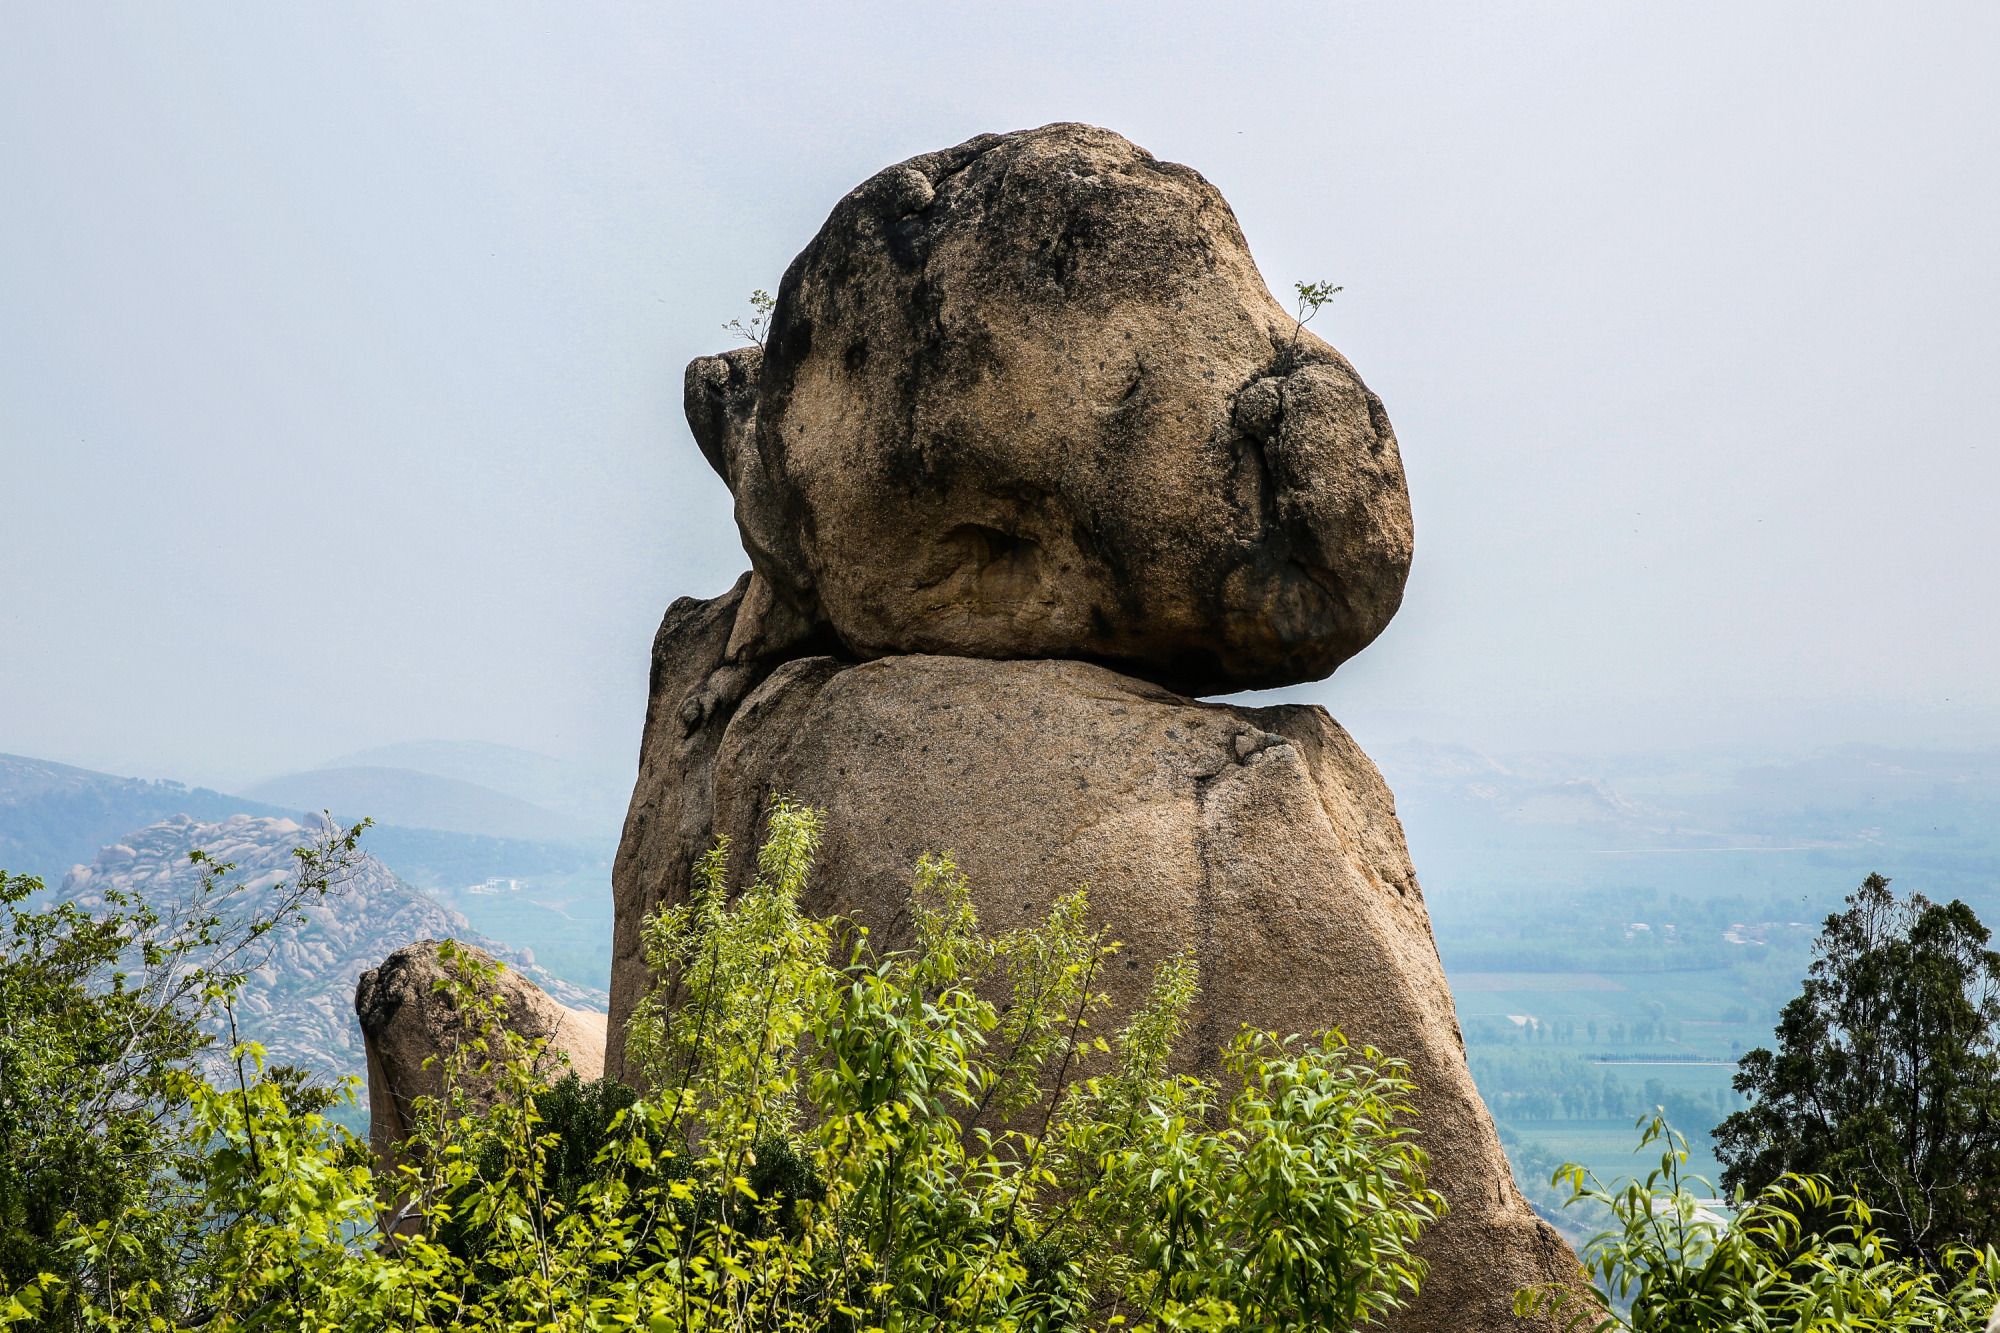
1616, 930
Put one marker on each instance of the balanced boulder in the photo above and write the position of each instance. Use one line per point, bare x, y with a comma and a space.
1029, 458
1029, 397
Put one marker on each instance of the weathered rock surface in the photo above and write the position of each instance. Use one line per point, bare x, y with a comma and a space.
405, 1021
707, 656
296, 1004
1029, 397
1027, 413
1263, 838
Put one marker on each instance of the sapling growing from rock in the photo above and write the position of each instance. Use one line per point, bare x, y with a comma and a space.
759, 327
1311, 296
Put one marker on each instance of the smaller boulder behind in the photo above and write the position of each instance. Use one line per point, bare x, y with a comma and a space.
405, 1020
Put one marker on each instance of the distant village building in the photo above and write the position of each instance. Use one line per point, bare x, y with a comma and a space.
497, 886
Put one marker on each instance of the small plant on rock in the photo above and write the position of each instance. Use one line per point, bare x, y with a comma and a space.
1311, 296
759, 325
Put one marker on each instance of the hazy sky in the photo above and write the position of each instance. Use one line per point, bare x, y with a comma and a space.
340, 385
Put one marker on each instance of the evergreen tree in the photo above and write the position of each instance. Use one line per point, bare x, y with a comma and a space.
1887, 1075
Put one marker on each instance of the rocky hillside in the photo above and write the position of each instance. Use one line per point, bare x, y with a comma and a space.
54, 815
300, 1005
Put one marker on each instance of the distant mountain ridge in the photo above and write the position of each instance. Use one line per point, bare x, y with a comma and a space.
54, 816
594, 796
1499, 839
1842, 796
410, 798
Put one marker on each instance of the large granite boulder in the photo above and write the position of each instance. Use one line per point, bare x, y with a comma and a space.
405, 1021
1263, 838
1029, 397
707, 657
1026, 414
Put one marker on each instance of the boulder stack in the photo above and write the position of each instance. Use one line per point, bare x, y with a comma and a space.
1030, 458
1028, 397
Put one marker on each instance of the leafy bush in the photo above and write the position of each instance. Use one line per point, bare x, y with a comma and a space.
1796, 1256
832, 1138
103, 1024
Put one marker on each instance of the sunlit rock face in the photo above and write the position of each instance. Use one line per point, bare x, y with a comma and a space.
1030, 459
411, 1027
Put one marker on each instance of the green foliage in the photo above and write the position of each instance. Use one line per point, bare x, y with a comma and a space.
762, 303
1311, 296
1796, 1256
581, 1116
103, 1140
979, 1158
1887, 1073
833, 1139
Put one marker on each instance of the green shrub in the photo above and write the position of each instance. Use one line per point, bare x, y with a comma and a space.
104, 1025
832, 1139
1887, 1072
1796, 1256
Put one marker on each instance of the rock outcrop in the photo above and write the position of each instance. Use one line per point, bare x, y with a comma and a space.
1262, 838
1032, 456
405, 1021
1029, 397
296, 1003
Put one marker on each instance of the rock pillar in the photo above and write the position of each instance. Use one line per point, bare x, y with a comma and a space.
1031, 458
